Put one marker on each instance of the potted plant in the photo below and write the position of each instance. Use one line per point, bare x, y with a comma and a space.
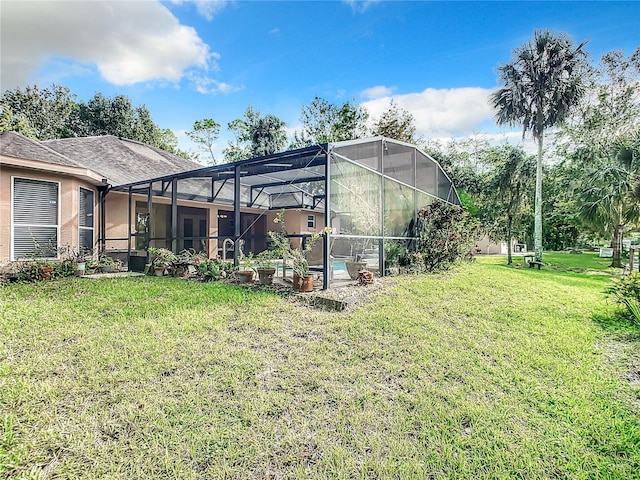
81, 257
266, 267
302, 279
246, 269
105, 263
92, 266
161, 260
45, 270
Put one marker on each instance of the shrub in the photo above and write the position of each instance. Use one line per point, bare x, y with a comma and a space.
212, 268
626, 292
445, 234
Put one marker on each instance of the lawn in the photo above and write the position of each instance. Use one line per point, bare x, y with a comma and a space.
486, 371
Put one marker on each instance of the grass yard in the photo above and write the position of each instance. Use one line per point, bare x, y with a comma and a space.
487, 371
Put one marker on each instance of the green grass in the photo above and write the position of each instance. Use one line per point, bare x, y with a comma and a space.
586, 262
487, 371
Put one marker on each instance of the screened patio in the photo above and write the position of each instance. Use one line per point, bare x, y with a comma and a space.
367, 191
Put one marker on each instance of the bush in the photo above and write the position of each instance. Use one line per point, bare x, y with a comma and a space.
445, 234
626, 292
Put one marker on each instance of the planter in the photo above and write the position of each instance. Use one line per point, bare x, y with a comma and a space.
365, 277
265, 275
159, 271
45, 273
303, 284
81, 269
106, 268
354, 267
244, 276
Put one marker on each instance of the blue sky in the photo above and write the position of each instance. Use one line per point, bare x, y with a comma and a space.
187, 60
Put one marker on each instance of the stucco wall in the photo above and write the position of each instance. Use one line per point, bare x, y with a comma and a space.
69, 193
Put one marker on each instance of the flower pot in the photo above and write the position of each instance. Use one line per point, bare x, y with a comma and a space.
354, 267
45, 273
244, 276
265, 275
159, 271
81, 269
365, 277
106, 268
303, 284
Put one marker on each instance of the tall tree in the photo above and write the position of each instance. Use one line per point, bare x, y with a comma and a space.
610, 199
510, 185
324, 122
47, 113
603, 143
255, 136
397, 123
205, 133
542, 84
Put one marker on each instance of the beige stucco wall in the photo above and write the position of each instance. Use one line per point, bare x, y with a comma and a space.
69, 192
296, 223
117, 215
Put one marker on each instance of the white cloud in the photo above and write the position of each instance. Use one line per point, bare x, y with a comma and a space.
128, 42
377, 92
206, 8
440, 113
360, 6
204, 84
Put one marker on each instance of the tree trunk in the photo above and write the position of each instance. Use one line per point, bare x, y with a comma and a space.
616, 243
537, 235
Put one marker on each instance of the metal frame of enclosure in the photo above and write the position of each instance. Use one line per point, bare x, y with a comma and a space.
369, 192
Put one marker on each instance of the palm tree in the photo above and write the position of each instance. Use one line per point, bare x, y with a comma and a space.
610, 199
542, 84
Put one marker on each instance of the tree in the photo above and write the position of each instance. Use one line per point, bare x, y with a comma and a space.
542, 84
205, 132
397, 123
12, 123
604, 143
511, 185
563, 227
47, 113
324, 122
610, 199
255, 136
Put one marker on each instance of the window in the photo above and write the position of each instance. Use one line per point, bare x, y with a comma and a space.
85, 220
34, 218
311, 221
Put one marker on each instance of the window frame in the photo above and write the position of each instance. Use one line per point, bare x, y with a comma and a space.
58, 184
311, 221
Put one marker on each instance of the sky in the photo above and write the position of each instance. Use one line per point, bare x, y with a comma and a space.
189, 60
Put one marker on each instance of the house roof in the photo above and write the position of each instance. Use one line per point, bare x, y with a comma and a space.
14, 145
120, 160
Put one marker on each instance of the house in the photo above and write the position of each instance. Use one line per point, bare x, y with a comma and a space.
120, 197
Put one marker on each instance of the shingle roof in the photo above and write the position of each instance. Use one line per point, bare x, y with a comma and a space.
120, 160
14, 145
